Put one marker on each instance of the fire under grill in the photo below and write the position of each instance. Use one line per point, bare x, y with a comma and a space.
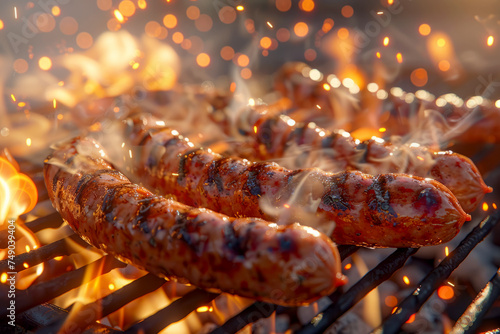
35, 313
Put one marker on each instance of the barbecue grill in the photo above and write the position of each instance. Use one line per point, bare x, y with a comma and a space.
36, 309
35, 312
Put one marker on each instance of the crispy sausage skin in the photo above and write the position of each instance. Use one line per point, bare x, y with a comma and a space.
387, 210
287, 265
273, 134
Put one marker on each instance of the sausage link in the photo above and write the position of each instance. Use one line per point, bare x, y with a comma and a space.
287, 265
387, 210
274, 134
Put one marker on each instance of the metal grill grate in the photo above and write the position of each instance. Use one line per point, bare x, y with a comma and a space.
35, 314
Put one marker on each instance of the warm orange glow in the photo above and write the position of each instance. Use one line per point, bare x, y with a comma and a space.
446, 292
347, 11
255, 128
444, 65
283, 5
111, 286
25, 265
441, 42
382, 130
390, 2
265, 42
446, 251
326, 87
485, 206
104, 5
45, 22
20, 65
142, 4
203, 23
113, 24
306, 5
227, 14
21, 104
13, 97
411, 319
232, 87
1, 25
386, 41
424, 29
343, 33
68, 25
45, 63
378, 54
490, 40
3, 278
177, 37
56, 11
283, 35
84, 40
227, 53
327, 25
127, 8
152, 29
246, 73
494, 206
118, 16
58, 258
348, 266
240, 8
54, 103
170, 21
399, 57
243, 60
310, 54
406, 280
391, 301
193, 12
300, 29
203, 60
419, 77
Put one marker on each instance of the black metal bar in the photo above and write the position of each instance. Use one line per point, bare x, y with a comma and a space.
252, 313
53, 220
90, 313
42, 254
431, 282
43, 292
347, 250
41, 316
471, 318
382, 272
174, 312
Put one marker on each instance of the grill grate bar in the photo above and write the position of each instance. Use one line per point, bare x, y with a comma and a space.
89, 313
174, 312
45, 291
431, 282
53, 220
42, 254
382, 272
259, 310
471, 318
252, 313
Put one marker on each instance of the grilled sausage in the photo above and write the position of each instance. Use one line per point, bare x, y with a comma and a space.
287, 265
274, 134
388, 210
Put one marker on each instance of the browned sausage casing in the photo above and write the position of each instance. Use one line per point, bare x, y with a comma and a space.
387, 210
287, 265
273, 134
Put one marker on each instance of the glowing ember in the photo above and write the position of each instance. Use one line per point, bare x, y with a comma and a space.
378, 54
391, 301
424, 29
411, 319
382, 130
406, 280
3, 278
494, 206
399, 57
485, 206
446, 251
386, 41
240, 8
446, 292
490, 40
119, 16
348, 266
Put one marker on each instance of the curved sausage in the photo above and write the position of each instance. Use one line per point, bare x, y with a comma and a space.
287, 265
